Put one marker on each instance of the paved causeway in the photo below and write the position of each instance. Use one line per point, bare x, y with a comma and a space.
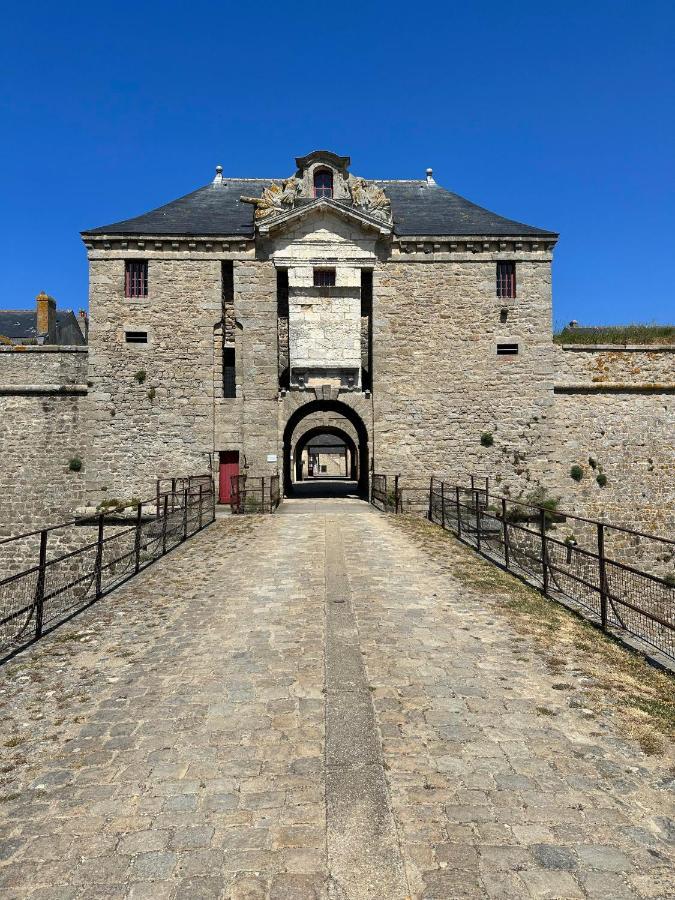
308, 705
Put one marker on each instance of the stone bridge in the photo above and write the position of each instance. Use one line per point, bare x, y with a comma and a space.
317, 705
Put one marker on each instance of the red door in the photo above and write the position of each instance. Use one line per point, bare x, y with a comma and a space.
229, 466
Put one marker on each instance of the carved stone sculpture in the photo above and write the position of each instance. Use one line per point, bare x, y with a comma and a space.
276, 198
369, 198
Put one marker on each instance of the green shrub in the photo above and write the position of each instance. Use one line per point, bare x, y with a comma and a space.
670, 579
75, 464
576, 473
593, 463
486, 439
140, 376
601, 478
152, 393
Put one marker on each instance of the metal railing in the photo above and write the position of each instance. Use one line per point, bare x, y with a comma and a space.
600, 568
71, 570
251, 494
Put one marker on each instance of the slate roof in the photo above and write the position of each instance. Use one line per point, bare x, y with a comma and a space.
418, 208
21, 324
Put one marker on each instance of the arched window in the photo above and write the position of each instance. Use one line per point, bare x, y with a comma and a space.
323, 183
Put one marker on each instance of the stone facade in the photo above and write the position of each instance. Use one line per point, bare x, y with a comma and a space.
438, 382
408, 353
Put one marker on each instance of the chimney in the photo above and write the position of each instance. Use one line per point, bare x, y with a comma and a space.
83, 322
46, 319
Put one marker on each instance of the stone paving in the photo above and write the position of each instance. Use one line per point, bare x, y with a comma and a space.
309, 706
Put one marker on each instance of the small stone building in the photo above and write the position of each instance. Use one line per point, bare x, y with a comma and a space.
397, 316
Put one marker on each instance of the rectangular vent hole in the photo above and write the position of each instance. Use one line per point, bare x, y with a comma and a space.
136, 337
507, 349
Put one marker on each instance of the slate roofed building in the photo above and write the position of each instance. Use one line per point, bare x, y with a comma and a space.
397, 317
43, 325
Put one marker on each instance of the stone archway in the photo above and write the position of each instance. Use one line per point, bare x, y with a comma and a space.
337, 432
339, 411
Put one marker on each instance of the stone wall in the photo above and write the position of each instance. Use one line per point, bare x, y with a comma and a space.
152, 404
43, 426
615, 416
438, 383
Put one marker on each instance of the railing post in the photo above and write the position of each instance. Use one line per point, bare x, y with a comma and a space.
487, 490
603, 574
386, 495
213, 502
40, 587
201, 525
157, 512
459, 512
173, 494
186, 494
471, 477
475, 496
505, 534
544, 551
137, 541
99, 557
165, 517
430, 515
396, 478
442, 503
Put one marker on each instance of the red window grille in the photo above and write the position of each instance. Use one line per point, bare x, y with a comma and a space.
506, 279
323, 183
136, 278
324, 277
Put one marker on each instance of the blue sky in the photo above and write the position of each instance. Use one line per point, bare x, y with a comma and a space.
558, 115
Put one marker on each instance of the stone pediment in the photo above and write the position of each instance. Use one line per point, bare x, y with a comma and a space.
326, 207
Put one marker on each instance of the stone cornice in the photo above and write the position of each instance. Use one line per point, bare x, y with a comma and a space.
142, 245
615, 387
618, 348
452, 246
62, 389
44, 348
349, 213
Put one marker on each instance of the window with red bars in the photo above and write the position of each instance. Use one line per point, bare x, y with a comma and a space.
136, 278
323, 183
506, 279
324, 277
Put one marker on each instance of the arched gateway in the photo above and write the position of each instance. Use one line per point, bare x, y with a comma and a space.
295, 439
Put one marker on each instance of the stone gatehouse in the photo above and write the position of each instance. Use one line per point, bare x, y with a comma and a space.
233, 329
404, 319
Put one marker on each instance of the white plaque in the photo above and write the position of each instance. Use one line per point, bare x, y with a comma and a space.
271, 457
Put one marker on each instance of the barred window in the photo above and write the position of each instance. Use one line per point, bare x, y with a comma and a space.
323, 183
324, 277
506, 279
136, 278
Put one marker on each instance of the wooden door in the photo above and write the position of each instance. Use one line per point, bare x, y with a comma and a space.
229, 466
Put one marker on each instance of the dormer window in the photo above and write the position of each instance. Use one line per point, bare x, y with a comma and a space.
323, 183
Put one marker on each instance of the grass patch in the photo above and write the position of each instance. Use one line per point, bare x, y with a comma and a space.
620, 683
16, 740
616, 334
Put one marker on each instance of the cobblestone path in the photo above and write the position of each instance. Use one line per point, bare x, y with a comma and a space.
309, 706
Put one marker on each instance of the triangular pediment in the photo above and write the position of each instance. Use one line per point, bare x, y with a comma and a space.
326, 207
